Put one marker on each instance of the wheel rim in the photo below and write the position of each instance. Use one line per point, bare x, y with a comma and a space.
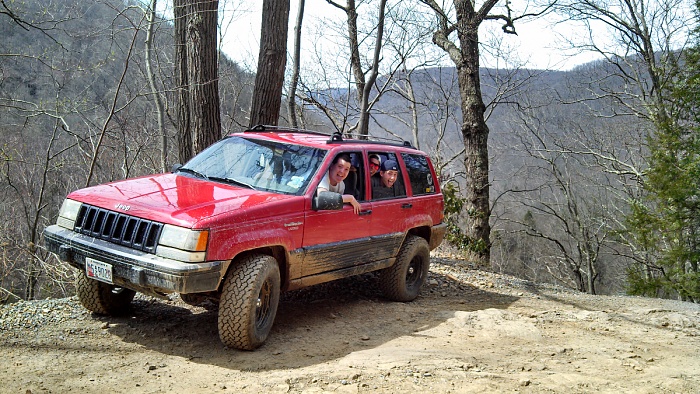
414, 273
262, 304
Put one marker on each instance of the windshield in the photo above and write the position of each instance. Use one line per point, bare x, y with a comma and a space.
256, 164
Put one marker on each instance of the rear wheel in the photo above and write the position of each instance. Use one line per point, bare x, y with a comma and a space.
103, 298
403, 280
249, 300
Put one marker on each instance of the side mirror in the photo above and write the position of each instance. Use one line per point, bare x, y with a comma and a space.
175, 167
325, 201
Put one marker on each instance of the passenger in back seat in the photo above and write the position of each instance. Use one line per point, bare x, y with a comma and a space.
374, 163
386, 185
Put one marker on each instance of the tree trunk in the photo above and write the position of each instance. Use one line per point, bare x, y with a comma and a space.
184, 135
202, 72
291, 100
160, 112
32, 272
355, 63
475, 134
363, 125
269, 80
411, 95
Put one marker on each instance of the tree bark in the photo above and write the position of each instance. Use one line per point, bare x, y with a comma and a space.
184, 135
272, 60
202, 72
363, 125
160, 111
291, 100
475, 132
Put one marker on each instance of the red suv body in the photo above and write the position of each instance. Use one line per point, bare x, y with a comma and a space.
242, 221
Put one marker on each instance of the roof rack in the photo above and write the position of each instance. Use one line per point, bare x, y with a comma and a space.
268, 128
335, 138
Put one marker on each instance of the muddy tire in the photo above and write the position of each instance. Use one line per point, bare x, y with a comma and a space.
249, 299
103, 298
403, 280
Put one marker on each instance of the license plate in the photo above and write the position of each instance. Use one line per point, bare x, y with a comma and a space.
98, 270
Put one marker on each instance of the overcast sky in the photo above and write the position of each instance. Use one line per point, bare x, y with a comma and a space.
537, 42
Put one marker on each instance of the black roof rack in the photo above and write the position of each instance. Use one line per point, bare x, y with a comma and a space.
335, 138
267, 128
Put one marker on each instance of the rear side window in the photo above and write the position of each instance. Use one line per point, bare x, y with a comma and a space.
421, 178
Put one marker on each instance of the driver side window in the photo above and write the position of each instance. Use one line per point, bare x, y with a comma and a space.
355, 181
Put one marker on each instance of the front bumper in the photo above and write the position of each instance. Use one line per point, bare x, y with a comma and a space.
136, 270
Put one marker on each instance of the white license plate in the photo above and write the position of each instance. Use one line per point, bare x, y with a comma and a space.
98, 270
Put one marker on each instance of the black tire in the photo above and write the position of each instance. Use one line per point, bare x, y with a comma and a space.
403, 280
103, 298
249, 300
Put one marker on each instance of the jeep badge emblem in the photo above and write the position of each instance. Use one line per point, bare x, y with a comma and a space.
123, 207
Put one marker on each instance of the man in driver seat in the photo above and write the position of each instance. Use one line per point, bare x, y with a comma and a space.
333, 180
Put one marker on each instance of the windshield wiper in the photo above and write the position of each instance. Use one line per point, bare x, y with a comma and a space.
232, 181
193, 172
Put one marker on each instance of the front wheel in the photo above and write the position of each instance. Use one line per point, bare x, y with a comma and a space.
249, 300
103, 298
403, 280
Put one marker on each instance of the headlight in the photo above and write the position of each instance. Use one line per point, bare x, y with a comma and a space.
182, 244
68, 213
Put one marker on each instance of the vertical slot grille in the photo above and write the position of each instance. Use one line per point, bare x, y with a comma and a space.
118, 228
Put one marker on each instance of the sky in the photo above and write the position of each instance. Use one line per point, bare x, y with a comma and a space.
536, 42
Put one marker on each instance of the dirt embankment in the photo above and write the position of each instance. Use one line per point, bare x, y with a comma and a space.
469, 331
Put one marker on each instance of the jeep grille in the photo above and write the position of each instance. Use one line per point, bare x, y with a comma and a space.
118, 228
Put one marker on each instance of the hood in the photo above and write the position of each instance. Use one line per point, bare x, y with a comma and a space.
174, 199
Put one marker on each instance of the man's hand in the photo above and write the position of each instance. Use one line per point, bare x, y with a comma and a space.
350, 199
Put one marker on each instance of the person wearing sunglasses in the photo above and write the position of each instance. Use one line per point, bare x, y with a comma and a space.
374, 163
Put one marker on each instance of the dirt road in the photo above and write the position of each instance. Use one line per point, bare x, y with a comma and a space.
469, 331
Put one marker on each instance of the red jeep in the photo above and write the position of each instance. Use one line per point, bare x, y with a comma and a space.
243, 221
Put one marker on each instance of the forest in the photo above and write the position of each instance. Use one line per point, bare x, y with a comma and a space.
592, 172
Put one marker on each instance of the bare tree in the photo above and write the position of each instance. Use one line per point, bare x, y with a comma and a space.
113, 109
184, 129
296, 59
84, 104
465, 55
272, 59
199, 118
363, 83
641, 44
150, 75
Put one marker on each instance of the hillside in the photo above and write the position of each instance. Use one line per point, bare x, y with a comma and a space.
469, 331
58, 90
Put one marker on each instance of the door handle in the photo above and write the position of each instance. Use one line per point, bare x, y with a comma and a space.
367, 212
407, 205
